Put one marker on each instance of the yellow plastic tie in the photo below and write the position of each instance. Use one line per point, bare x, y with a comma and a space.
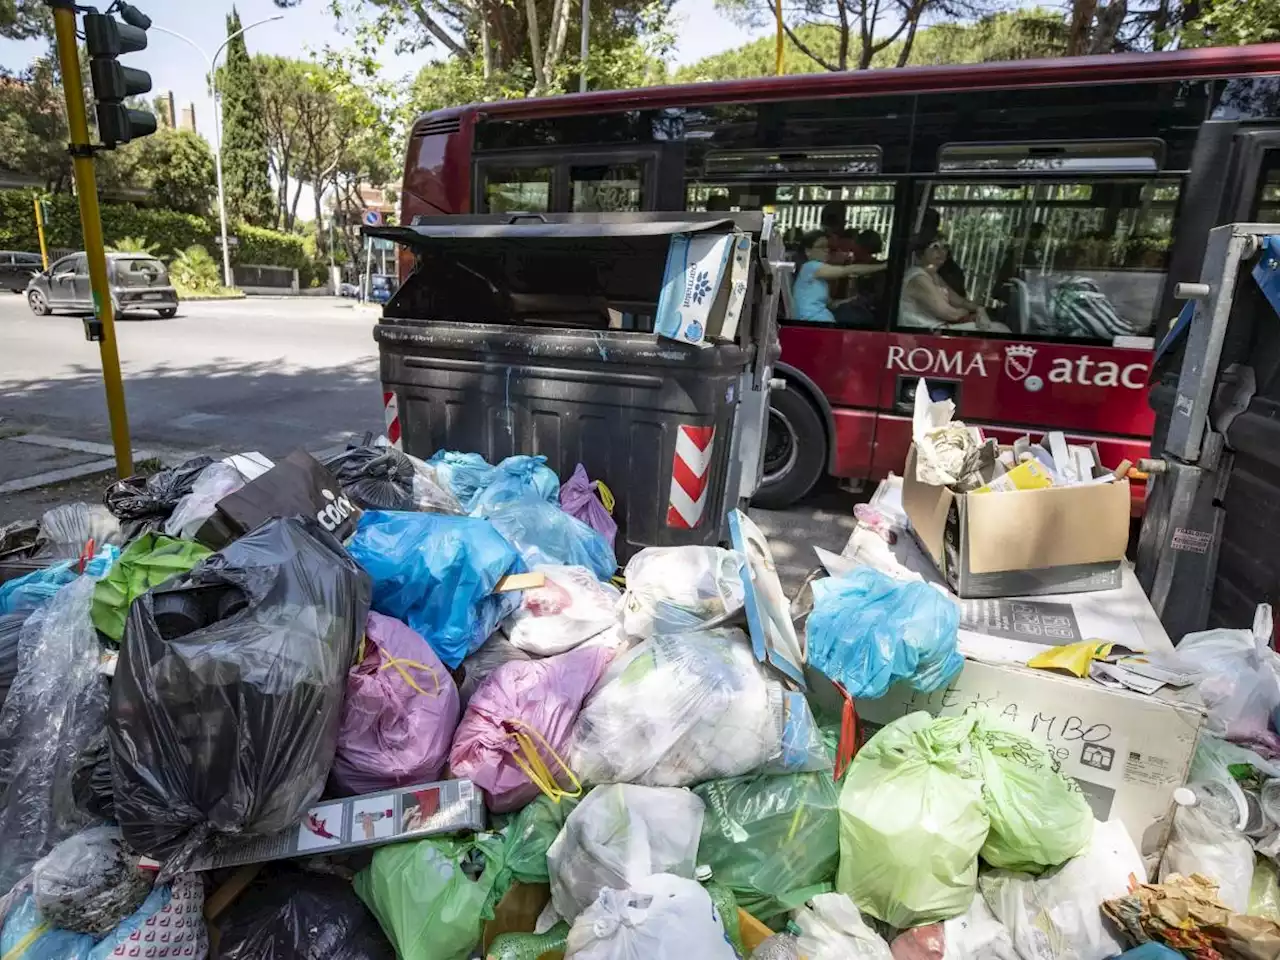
536, 768
20, 948
606, 496
399, 666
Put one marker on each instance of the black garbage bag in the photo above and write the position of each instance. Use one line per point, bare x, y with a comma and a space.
10, 630
375, 478
146, 502
288, 914
228, 693
91, 779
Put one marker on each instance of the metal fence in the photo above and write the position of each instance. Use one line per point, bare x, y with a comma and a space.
251, 275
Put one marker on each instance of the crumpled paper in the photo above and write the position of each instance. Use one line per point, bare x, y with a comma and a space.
1184, 913
948, 453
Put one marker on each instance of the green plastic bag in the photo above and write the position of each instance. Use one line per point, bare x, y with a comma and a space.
912, 822
1039, 818
529, 835
1264, 892
433, 897
148, 562
772, 840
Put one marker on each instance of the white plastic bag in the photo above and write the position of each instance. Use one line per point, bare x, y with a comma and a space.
218, 480
89, 883
677, 710
1200, 844
571, 607
658, 917
1056, 916
1238, 681
618, 835
974, 935
676, 589
832, 928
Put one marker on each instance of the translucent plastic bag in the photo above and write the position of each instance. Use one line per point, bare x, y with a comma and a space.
867, 631
571, 607
619, 834
677, 589
545, 534
530, 835
228, 693
437, 573
974, 935
218, 480
658, 916
89, 883
1056, 916
66, 529
511, 740
1200, 844
91, 785
26, 593
10, 631
678, 710
145, 502
1039, 818
175, 910
399, 713
379, 477
1264, 891
147, 562
432, 897
1238, 681
912, 820
290, 914
772, 840
468, 476
579, 498
478, 664
56, 704
515, 478
831, 928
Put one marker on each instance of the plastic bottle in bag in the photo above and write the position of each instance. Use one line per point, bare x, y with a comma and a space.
528, 946
726, 905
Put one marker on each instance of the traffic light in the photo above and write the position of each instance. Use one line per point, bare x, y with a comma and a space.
106, 39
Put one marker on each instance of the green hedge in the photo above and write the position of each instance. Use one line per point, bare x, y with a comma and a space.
170, 232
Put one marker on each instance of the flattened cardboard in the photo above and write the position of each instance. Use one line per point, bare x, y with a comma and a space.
1022, 542
371, 820
1128, 751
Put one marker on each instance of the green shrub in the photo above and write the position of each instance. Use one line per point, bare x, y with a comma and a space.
263, 247
195, 271
132, 245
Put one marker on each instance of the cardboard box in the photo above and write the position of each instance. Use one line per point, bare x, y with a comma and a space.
1128, 752
1022, 542
372, 820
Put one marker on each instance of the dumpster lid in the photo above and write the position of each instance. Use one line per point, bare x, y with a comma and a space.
519, 226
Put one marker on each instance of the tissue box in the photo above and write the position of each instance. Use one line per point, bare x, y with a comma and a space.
1022, 542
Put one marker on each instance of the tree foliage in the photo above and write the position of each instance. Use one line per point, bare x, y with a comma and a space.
175, 168
245, 156
1234, 22
33, 127
25, 19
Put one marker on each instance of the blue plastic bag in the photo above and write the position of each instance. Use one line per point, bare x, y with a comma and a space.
474, 482
25, 593
437, 573
545, 534
868, 631
27, 936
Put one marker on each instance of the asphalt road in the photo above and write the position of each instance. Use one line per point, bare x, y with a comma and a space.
259, 374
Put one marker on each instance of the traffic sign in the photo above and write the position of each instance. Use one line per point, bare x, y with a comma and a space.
372, 218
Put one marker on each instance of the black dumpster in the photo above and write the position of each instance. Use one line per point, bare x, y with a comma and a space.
534, 334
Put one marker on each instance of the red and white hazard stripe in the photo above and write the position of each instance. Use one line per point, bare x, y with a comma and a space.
391, 411
690, 476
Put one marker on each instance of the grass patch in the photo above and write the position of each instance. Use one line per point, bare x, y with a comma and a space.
149, 466
218, 293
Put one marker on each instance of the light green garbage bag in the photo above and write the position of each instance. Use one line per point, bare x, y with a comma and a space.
529, 835
1039, 818
1264, 892
148, 562
772, 840
912, 822
433, 897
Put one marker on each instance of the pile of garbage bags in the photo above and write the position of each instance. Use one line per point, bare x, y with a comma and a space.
313, 672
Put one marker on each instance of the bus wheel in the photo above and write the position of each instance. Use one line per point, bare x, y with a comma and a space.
795, 451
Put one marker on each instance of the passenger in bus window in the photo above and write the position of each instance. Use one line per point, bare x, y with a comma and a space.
950, 271
929, 302
811, 290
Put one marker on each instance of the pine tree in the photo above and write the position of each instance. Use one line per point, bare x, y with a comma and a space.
244, 136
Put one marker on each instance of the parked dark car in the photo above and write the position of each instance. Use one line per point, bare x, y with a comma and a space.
17, 268
138, 282
381, 287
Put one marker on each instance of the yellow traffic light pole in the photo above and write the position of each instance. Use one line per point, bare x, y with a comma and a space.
44, 248
64, 21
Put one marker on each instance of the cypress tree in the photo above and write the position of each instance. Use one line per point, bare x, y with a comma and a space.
244, 137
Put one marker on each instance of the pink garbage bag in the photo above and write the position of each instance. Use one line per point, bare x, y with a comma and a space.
512, 738
579, 499
399, 714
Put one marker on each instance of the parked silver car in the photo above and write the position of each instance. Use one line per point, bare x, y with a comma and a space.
138, 282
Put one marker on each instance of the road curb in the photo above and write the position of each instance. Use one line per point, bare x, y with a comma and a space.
104, 464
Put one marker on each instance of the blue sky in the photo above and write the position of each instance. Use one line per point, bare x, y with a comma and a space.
175, 66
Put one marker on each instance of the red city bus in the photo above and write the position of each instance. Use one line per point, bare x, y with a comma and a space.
1056, 200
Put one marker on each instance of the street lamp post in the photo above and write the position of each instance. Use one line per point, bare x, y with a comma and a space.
212, 62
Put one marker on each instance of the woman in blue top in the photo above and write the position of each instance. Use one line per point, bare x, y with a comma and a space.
810, 291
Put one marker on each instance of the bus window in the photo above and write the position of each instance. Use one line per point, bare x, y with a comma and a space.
1062, 260
513, 189
1268, 200
856, 221
606, 187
